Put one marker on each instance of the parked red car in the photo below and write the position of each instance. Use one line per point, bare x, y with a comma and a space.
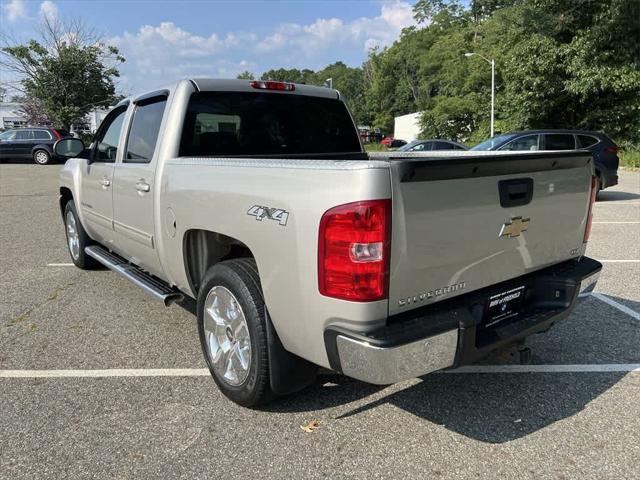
392, 142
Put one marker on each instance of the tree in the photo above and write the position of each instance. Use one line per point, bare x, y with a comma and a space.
246, 75
68, 70
32, 110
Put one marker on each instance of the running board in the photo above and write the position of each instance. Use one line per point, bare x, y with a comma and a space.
153, 286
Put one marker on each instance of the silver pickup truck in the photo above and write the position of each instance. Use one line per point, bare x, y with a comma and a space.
257, 200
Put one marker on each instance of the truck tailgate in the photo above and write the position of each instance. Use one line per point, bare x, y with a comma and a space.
467, 221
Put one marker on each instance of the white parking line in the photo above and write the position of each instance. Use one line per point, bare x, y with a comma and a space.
586, 368
619, 261
619, 306
203, 372
111, 372
60, 265
626, 223
617, 203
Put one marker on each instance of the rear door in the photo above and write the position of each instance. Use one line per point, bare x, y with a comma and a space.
465, 222
134, 185
559, 141
42, 137
443, 146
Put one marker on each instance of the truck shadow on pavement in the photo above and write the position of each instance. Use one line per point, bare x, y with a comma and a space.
497, 407
613, 196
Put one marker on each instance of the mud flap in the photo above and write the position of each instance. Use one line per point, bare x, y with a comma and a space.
288, 372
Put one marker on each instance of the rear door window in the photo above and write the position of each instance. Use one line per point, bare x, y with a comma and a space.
24, 135
145, 127
528, 142
41, 135
586, 141
443, 146
559, 141
266, 123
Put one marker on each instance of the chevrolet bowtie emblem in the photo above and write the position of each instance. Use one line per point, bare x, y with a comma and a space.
514, 227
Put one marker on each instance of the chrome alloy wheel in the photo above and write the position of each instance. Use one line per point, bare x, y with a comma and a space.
41, 157
226, 332
73, 239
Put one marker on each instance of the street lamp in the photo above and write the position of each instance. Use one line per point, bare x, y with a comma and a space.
492, 62
328, 83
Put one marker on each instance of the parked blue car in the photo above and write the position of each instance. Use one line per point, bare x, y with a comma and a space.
605, 152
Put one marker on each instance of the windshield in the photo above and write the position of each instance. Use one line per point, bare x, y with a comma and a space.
407, 147
494, 142
8, 135
261, 123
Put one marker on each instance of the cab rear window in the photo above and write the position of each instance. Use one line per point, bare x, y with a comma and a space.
269, 124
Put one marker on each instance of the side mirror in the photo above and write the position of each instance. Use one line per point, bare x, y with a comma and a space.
69, 147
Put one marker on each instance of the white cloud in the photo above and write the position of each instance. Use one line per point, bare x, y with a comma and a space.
163, 53
49, 10
15, 9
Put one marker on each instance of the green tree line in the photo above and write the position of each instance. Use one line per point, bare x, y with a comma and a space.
559, 64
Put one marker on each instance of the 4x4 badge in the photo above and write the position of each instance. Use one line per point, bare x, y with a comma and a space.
277, 214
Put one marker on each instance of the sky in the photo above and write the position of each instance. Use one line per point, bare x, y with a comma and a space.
164, 41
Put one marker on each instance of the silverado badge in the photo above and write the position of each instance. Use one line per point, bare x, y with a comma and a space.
514, 227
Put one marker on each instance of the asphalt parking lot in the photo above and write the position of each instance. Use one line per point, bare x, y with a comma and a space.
574, 413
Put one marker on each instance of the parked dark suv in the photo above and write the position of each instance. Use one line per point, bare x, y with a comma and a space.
32, 142
605, 152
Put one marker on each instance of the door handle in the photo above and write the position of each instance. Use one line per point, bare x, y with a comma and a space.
105, 182
143, 186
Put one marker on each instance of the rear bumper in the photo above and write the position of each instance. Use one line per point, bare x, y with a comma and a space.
609, 179
452, 333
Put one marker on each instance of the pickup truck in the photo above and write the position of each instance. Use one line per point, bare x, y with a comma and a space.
255, 202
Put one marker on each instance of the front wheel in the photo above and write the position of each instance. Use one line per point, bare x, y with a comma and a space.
41, 157
232, 328
77, 238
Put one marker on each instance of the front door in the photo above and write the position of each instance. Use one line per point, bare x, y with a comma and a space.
7, 144
134, 186
97, 179
23, 143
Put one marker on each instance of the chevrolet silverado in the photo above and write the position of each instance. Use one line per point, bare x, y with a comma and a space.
257, 200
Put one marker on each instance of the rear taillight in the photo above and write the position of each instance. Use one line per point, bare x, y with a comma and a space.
592, 200
57, 134
612, 150
353, 251
270, 85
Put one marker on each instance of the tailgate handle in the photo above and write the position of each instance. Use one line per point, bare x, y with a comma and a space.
515, 192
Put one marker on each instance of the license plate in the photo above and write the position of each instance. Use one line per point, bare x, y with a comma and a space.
504, 305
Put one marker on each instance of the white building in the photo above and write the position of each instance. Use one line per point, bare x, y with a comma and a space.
407, 127
12, 116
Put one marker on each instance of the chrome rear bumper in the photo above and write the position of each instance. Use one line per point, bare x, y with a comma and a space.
383, 366
456, 332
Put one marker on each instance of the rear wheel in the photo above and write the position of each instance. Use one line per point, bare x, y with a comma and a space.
232, 328
41, 157
77, 238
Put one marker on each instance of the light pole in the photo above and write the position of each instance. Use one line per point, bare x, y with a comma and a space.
492, 62
328, 83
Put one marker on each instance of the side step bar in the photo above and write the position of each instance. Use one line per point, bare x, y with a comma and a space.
153, 286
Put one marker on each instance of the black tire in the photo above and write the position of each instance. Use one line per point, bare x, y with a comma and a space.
240, 277
41, 157
82, 260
